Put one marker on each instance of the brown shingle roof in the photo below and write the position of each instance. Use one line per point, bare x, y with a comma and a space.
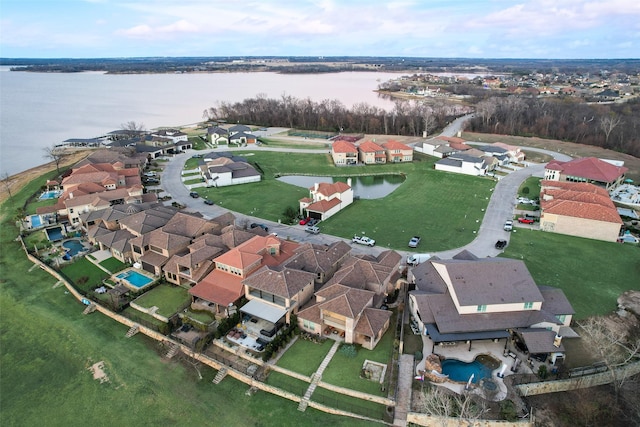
285, 283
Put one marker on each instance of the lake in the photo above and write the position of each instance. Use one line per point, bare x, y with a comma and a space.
38, 110
364, 187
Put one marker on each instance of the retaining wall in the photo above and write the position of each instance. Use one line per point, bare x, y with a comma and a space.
585, 381
431, 420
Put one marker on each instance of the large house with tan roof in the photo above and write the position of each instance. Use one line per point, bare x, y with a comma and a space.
344, 153
588, 169
223, 286
467, 299
349, 304
327, 199
578, 209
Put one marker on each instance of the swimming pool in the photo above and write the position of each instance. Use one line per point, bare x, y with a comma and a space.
74, 247
54, 234
53, 194
135, 279
36, 221
460, 371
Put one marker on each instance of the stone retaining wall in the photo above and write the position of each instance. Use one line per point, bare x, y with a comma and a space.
431, 420
577, 383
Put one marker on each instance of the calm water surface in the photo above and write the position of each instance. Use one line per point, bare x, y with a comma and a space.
38, 110
364, 187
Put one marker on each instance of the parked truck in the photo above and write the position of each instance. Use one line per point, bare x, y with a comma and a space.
415, 259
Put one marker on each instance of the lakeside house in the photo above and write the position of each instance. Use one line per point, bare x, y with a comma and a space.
326, 199
467, 299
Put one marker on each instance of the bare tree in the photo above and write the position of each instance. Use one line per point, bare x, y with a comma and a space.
429, 121
608, 124
615, 345
131, 125
6, 180
55, 155
445, 404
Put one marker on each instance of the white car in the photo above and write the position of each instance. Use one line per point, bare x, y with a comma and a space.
363, 240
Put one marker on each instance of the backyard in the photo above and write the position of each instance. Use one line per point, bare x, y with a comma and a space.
168, 298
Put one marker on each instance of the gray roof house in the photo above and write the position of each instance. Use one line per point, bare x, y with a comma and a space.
469, 298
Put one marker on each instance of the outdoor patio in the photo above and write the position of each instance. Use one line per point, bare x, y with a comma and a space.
460, 351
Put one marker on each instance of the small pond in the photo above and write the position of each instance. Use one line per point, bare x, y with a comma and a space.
364, 187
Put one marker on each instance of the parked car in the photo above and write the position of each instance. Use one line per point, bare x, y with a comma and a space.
416, 259
194, 194
313, 221
508, 225
414, 242
264, 227
501, 244
524, 220
209, 202
363, 240
305, 221
312, 229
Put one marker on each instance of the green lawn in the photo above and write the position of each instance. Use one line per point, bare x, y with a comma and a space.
445, 209
304, 357
83, 268
113, 264
348, 403
285, 382
345, 371
533, 185
168, 298
591, 273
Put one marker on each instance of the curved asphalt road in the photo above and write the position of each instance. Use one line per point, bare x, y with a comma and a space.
499, 209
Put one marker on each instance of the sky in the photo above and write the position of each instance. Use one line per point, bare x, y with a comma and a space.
412, 28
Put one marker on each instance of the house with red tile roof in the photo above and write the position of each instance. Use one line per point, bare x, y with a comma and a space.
578, 209
606, 174
397, 152
327, 199
349, 304
467, 299
223, 286
371, 153
344, 153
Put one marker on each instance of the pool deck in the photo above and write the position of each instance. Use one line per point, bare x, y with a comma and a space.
461, 352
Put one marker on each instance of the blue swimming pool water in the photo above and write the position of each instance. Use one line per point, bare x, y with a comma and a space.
74, 247
36, 221
54, 234
53, 194
136, 279
461, 371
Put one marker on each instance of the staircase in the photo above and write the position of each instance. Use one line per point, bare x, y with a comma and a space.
220, 375
132, 331
173, 350
316, 377
90, 309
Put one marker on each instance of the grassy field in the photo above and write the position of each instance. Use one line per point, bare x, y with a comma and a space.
443, 208
591, 273
168, 298
304, 357
46, 346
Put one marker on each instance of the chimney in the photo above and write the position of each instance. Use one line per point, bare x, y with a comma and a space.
557, 340
459, 134
315, 186
349, 182
71, 195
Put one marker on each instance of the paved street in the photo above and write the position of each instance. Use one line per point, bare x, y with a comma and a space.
501, 203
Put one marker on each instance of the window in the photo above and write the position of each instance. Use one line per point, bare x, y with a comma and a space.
562, 317
528, 305
481, 308
309, 325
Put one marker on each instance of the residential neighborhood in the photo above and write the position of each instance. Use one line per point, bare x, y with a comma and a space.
240, 288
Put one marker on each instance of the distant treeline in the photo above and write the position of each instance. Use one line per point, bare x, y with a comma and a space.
613, 126
410, 118
299, 64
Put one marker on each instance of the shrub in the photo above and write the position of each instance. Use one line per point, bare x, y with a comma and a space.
525, 190
542, 372
508, 411
349, 351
